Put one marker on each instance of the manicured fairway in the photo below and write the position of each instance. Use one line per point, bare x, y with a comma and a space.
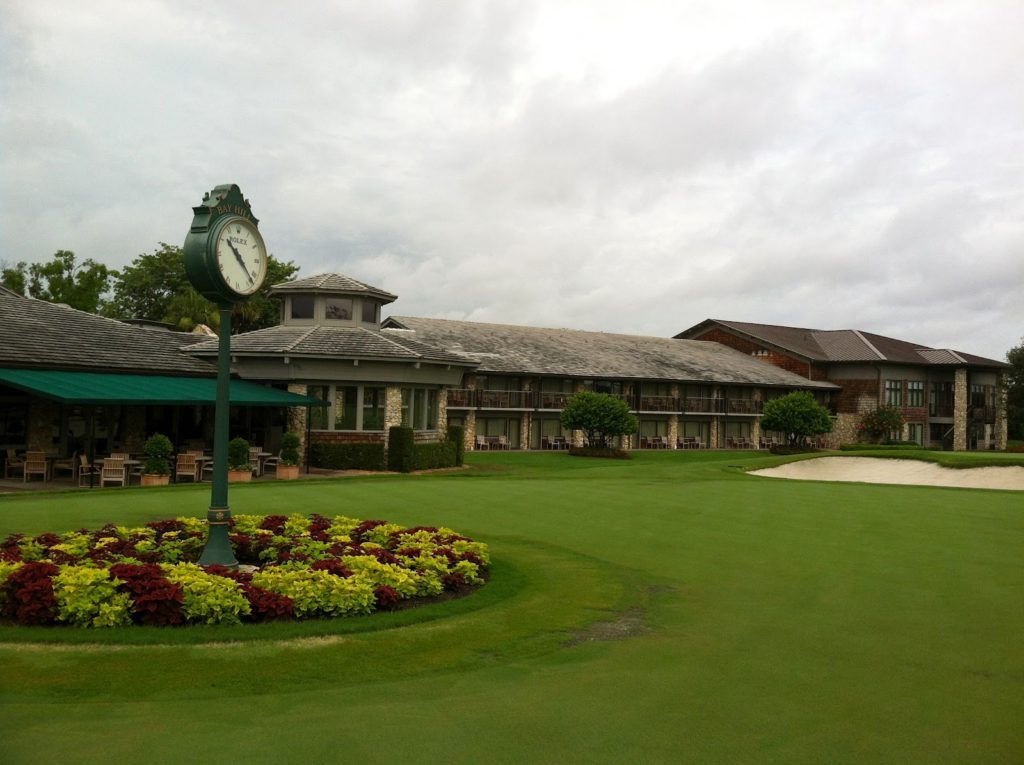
666, 609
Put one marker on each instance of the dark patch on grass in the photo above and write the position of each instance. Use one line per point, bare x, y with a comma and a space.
628, 624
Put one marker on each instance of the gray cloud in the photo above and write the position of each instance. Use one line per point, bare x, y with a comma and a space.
566, 164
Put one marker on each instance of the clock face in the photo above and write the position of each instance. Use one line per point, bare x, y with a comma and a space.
241, 256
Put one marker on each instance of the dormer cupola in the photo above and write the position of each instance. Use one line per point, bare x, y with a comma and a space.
331, 300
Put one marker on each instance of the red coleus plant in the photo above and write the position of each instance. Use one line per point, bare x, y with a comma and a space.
29, 594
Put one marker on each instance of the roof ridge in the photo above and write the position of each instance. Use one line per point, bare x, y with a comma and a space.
302, 337
867, 342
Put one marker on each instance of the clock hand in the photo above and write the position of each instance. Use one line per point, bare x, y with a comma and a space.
241, 261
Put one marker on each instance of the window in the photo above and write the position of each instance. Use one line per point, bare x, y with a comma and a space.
302, 306
345, 400
915, 432
371, 312
338, 308
373, 408
894, 393
318, 415
915, 393
352, 407
653, 428
420, 408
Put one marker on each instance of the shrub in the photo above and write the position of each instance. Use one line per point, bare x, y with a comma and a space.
158, 451
442, 454
88, 597
357, 456
597, 451
600, 416
457, 435
238, 454
878, 424
290, 449
401, 449
797, 415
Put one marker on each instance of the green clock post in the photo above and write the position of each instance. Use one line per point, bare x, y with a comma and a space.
226, 261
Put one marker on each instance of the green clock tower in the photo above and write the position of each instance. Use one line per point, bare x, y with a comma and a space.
226, 261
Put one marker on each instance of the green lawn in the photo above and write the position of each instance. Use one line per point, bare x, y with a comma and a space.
665, 609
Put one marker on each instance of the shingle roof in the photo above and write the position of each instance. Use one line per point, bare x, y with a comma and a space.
844, 344
343, 342
514, 349
332, 284
37, 334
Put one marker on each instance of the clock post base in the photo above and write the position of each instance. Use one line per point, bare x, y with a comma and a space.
218, 549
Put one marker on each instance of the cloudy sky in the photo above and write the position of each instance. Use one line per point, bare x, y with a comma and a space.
621, 166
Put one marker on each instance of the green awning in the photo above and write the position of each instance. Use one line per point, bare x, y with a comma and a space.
108, 388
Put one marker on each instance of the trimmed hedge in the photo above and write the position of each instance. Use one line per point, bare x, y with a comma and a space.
442, 454
906, 446
594, 451
401, 450
354, 456
457, 435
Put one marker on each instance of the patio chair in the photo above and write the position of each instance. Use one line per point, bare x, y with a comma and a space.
481, 443
271, 462
86, 470
69, 465
254, 460
187, 467
503, 442
36, 464
15, 465
113, 471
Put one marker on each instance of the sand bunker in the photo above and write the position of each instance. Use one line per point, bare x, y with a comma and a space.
875, 470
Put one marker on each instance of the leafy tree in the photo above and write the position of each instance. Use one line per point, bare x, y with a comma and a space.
1014, 391
62, 280
146, 288
156, 287
598, 415
878, 424
797, 415
13, 276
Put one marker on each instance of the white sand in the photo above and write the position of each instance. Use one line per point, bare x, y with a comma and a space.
875, 470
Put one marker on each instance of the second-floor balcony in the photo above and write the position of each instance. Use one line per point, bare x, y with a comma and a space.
504, 399
468, 398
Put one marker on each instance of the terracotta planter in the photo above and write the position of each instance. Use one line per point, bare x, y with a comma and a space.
287, 472
239, 476
154, 480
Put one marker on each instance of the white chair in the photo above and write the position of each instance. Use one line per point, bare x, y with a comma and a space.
113, 471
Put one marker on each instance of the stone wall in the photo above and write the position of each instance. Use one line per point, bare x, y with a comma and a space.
296, 417
960, 410
43, 415
1000, 431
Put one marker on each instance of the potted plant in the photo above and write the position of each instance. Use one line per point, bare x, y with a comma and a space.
156, 467
288, 466
239, 468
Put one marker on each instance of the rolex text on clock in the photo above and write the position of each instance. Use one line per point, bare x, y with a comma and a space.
241, 256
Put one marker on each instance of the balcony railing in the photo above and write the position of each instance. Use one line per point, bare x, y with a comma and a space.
742, 406
461, 398
504, 399
552, 400
468, 398
702, 405
982, 413
658, 404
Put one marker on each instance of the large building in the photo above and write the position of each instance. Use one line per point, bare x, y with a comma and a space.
948, 398
333, 371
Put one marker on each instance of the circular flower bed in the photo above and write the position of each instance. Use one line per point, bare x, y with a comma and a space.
292, 567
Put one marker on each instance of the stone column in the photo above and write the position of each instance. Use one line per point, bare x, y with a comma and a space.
43, 414
715, 431
1000, 429
960, 411
135, 428
296, 416
469, 430
442, 413
392, 408
524, 430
